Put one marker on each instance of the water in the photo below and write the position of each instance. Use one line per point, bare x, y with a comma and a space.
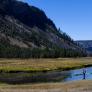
42, 77
78, 74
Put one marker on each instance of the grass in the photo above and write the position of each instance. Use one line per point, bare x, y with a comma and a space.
79, 86
43, 65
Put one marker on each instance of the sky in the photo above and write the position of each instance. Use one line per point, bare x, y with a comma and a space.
73, 16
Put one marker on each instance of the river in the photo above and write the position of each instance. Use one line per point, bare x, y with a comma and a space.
43, 77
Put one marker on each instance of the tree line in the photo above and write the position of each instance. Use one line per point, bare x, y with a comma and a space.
16, 52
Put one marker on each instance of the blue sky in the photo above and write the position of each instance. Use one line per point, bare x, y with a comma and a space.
73, 16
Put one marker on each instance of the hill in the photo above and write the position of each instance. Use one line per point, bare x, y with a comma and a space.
87, 44
26, 31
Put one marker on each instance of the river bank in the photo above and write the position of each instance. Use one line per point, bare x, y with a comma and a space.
79, 86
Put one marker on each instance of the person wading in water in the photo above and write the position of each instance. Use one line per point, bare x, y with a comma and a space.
84, 74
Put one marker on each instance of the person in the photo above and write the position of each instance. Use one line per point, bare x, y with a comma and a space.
84, 73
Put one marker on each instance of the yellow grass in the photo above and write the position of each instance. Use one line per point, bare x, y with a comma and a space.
79, 86
33, 65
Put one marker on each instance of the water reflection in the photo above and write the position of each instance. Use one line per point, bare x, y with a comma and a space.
54, 76
20, 78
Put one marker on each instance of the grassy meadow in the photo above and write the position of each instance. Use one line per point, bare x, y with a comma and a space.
42, 65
